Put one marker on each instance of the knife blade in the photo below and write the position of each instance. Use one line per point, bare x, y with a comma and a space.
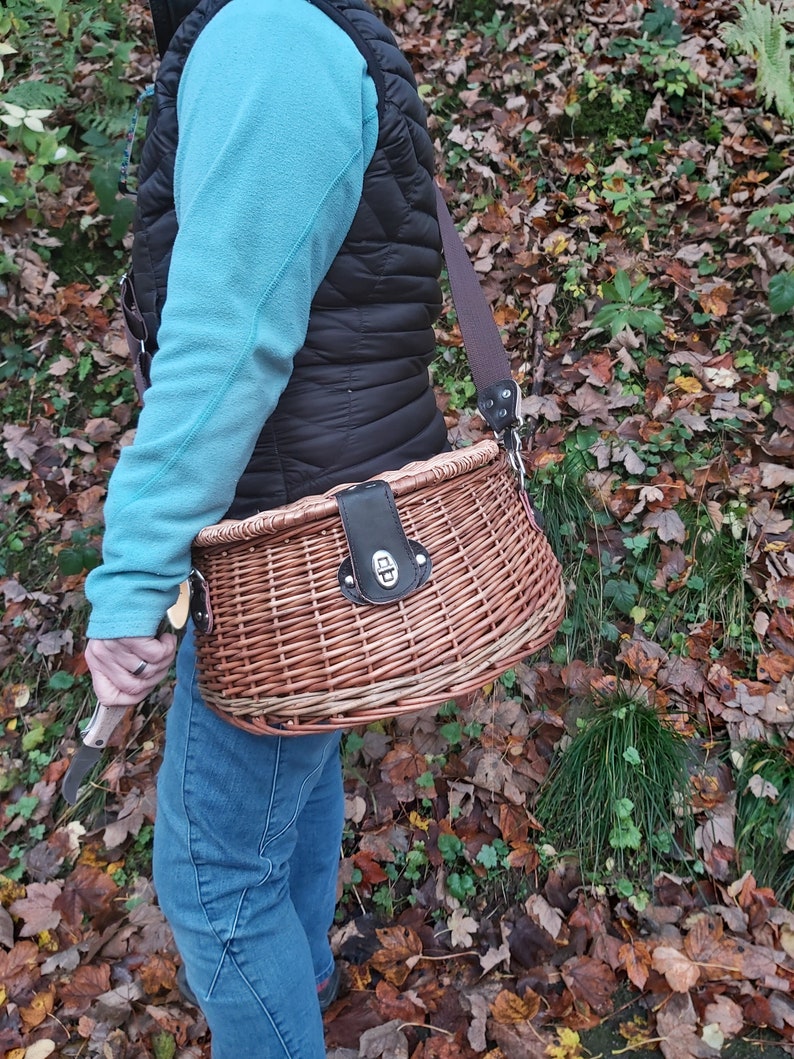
95, 738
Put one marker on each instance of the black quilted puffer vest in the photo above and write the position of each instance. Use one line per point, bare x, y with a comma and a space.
359, 400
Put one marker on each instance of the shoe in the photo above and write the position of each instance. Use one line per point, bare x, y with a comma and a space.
327, 995
330, 990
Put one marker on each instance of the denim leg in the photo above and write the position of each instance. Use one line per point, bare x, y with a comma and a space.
237, 814
314, 865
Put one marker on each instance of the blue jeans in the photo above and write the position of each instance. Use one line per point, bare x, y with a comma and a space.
246, 854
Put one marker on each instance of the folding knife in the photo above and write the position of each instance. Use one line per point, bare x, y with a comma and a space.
105, 719
95, 738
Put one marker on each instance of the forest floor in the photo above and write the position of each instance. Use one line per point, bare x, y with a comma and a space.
624, 188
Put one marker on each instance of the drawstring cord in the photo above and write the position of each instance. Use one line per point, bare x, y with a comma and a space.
125, 161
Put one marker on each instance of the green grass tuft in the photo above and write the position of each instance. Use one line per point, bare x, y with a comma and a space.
616, 794
765, 816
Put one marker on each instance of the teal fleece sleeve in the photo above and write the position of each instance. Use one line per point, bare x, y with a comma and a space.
278, 122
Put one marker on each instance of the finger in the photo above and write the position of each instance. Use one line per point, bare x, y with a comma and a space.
113, 665
109, 694
131, 656
153, 664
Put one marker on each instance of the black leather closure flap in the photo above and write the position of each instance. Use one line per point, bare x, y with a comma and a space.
384, 565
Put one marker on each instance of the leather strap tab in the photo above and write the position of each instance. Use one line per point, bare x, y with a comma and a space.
137, 335
384, 566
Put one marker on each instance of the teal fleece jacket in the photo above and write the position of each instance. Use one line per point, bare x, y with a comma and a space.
278, 122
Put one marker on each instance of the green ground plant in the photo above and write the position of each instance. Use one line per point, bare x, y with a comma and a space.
763, 31
47, 117
765, 815
616, 796
627, 303
573, 525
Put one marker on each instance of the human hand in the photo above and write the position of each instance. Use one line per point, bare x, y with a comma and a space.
124, 671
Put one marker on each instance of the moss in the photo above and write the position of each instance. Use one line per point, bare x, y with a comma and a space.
600, 119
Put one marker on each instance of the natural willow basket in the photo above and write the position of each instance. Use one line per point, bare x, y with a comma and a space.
287, 650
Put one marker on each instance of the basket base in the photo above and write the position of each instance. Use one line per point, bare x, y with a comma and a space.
315, 712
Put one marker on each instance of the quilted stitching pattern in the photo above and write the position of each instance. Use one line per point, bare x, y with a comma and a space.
359, 401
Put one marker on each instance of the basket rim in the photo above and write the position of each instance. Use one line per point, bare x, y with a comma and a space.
312, 508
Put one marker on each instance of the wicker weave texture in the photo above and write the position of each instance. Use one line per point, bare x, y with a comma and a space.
287, 648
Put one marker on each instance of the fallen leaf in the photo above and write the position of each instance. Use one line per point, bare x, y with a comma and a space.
462, 929
569, 1045
642, 656
18, 967
87, 890
384, 1042
590, 980
726, 1014
762, 788
676, 1024
518, 1040
713, 1036
775, 475
668, 525
687, 383
40, 1007
88, 982
508, 1007
13, 699
681, 973
6, 929
40, 1049
392, 1004
401, 948
36, 908
551, 919
158, 973
636, 958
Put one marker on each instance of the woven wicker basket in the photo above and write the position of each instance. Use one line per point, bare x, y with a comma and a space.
288, 651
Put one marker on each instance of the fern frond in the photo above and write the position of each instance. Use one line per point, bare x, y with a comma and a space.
761, 33
35, 95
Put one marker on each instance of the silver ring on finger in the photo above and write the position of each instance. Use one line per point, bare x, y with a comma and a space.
139, 668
